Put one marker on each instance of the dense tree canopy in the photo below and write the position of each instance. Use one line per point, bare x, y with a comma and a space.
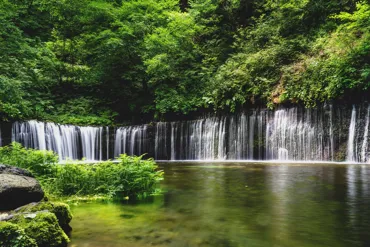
101, 61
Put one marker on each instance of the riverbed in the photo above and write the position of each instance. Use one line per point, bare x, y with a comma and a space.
237, 204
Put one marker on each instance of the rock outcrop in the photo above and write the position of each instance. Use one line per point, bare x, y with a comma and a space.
17, 188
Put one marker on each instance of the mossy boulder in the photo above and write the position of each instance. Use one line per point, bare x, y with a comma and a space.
13, 235
61, 210
63, 213
43, 227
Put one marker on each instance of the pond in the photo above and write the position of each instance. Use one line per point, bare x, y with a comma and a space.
237, 204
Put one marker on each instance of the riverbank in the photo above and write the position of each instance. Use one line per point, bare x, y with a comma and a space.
40, 223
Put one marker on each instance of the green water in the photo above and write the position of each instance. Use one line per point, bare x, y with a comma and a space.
237, 205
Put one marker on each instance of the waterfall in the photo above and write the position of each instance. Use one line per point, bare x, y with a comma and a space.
107, 141
364, 148
69, 142
131, 140
221, 151
283, 154
173, 146
331, 132
160, 141
202, 139
326, 133
351, 137
252, 119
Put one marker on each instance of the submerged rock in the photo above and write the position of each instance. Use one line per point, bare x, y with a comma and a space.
17, 188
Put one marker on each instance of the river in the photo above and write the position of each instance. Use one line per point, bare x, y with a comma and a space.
237, 204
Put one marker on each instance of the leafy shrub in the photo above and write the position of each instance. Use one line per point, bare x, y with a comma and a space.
131, 176
39, 162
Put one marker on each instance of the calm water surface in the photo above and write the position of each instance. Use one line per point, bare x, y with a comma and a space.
237, 204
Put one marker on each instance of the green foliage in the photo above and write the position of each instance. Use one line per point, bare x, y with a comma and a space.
43, 228
82, 111
40, 163
287, 55
12, 235
98, 62
338, 63
132, 176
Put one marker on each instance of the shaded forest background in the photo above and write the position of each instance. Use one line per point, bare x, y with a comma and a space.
100, 62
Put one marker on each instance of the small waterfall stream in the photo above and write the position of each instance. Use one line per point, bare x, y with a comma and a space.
327, 133
351, 148
364, 148
132, 140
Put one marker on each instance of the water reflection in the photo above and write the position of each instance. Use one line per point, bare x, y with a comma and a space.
238, 205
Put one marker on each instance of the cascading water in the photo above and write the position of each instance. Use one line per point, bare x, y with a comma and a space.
364, 148
69, 142
202, 139
351, 137
298, 136
295, 134
358, 135
131, 140
327, 133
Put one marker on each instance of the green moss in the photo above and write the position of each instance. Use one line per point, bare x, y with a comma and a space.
12, 235
61, 210
44, 228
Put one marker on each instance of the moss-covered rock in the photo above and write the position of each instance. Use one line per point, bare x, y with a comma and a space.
43, 227
61, 210
13, 235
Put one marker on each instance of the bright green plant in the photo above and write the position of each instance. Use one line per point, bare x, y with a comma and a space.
131, 176
39, 162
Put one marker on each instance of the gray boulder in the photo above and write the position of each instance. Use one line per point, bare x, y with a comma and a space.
18, 188
5, 169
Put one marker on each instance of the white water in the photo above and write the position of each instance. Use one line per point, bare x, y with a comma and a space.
293, 134
351, 137
364, 148
69, 142
131, 140
198, 139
